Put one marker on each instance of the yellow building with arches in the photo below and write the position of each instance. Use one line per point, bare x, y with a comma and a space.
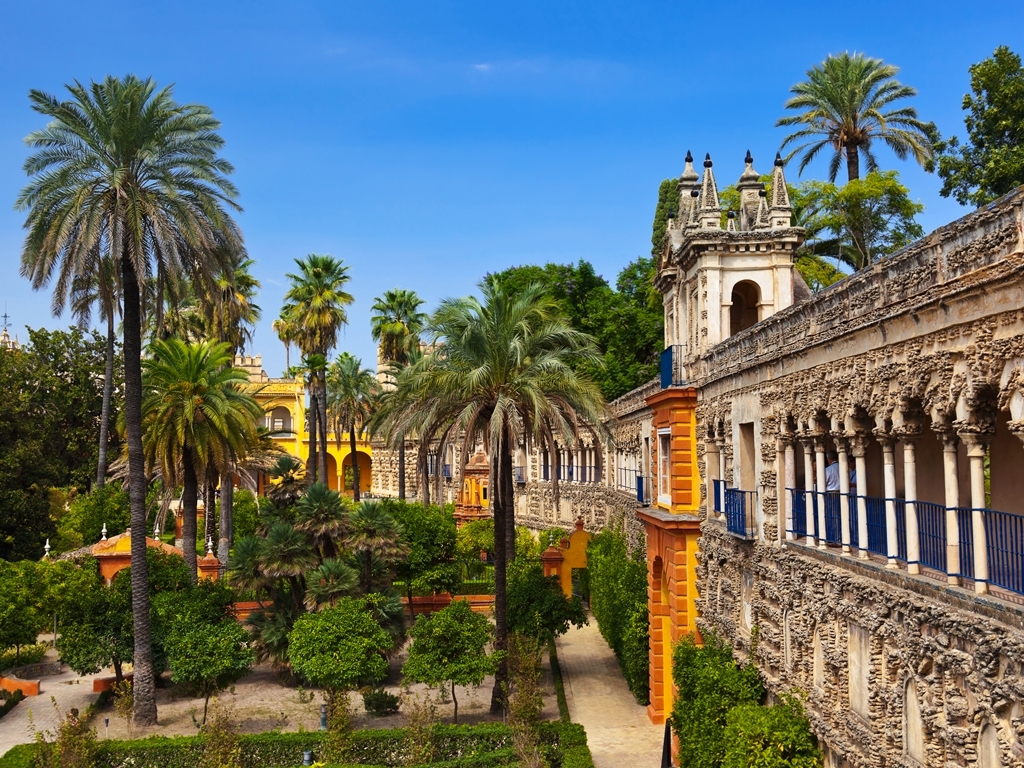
284, 405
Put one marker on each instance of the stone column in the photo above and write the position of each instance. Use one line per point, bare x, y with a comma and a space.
858, 447
844, 489
720, 441
950, 442
977, 446
790, 475
910, 493
819, 497
889, 478
809, 488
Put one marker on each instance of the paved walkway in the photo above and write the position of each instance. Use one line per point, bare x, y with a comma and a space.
68, 689
618, 730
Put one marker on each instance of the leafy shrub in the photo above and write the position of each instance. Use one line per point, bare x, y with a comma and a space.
709, 685
770, 737
26, 654
9, 700
618, 600
379, 702
73, 746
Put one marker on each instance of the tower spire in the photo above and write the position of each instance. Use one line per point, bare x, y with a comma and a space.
710, 215
781, 210
687, 183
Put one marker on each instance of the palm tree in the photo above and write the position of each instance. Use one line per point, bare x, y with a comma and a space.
286, 332
100, 287
351, 390
330, 582
323, 515
196, 416
315, 306
503, 372
123, 170
396, 326
373, 535
846, 102
291, 483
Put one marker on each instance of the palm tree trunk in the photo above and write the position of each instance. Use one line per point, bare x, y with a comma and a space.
311, 417
322, 425
144, 686
355, 461
189, 514
501, 458
852, 162
227, 516
401, 469
108, 388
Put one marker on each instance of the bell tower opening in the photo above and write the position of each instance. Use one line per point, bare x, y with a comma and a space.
746, 298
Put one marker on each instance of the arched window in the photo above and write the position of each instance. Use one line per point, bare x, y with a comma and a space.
989, 753
279, 420
913, 726
743, 313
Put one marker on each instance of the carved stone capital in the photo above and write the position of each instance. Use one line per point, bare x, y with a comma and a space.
885, 439
858, 445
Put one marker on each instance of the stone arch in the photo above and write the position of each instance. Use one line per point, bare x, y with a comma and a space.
365, 470
913, 724
745, 309
990, 754
332, 473
279, 420
817, 661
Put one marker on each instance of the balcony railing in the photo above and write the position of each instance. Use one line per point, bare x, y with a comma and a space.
740, 512
672, 374
1004, 532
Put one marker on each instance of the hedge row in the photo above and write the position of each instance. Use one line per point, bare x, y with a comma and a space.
618, 600
478, 746
9, 700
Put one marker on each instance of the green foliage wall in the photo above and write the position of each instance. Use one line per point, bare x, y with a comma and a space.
618, 600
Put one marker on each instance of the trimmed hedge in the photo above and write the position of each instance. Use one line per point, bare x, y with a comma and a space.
9, 701
477, 746
618, 600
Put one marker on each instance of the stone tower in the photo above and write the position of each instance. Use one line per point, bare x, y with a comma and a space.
718, 282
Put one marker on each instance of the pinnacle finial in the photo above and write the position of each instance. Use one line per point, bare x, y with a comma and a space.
694, 193
778, 160
707, 160
749, 160
689, 157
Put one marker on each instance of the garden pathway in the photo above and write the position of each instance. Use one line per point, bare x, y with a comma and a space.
68, 689
618, 730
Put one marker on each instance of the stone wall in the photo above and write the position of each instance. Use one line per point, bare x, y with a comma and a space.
922, 350
598, 505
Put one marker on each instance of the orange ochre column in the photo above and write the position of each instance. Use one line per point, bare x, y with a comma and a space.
673, 532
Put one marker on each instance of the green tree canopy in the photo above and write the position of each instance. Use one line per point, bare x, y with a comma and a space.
449, 646
429, 533
847, 105
991, 162
208, 657
537, 606
340, 648
872, 217
770, 737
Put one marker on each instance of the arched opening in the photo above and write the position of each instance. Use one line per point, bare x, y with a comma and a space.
744, 312
365, 469
913, 725
279, 420
817, 662
989, 753
332, 473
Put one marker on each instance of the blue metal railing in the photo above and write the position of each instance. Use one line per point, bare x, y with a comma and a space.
799, 521
931, 527
1004, 537
671, 365
877, 533
900, 507
739, 512
965, 527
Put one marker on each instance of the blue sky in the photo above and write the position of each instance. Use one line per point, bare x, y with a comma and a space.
429, 143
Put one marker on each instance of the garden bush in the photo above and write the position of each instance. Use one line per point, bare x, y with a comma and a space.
489, 746
8, 701
770, 737
618, 600
26, 654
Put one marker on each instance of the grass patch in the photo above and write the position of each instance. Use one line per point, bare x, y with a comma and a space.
556, 677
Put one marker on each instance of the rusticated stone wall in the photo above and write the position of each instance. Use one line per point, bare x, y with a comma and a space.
598, 505
925, 349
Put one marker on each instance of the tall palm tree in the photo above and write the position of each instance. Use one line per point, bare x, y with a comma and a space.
351, 390
503, 370
100, 287
286, 332
322, 514
396, 326
196, 415
374, 535
846, 103
122, 169
315, 306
